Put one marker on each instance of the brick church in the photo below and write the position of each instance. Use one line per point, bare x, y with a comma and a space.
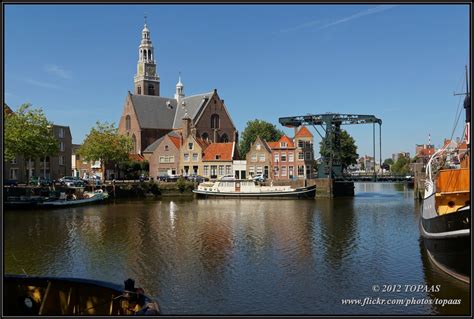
148, 117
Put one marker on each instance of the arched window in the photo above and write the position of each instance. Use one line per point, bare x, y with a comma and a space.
224, 138
134, 144
214, 121
139, 90
144, 53
128, 122
149, 54
151, 89
205, 136
166, 148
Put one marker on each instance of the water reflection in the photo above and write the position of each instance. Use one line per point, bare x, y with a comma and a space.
238, 256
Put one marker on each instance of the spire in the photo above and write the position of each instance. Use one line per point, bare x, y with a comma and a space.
147, 80
179, 89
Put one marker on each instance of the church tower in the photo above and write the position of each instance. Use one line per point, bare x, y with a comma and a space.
147, 81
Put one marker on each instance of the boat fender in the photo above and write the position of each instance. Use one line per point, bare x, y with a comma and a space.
28, 306
99, 191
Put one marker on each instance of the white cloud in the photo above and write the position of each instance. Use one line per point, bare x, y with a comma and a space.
42, 84
370, 11
57, 71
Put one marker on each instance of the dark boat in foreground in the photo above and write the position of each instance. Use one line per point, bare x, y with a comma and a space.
251, 189
445, 223
33, 296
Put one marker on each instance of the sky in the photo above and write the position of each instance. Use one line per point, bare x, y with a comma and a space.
401, 63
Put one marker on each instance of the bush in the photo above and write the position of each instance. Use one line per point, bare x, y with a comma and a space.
181, 184
155, 189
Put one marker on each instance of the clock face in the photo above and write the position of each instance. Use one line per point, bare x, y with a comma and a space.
150, 70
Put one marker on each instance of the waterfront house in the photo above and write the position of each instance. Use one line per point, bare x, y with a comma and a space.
163, 155
259, 158
218, 159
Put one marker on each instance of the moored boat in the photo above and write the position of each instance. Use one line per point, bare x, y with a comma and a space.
251, 189
73, 200
445, 221
33, 296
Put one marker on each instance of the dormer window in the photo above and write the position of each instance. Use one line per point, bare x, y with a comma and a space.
284, 144
190, 146
218, 157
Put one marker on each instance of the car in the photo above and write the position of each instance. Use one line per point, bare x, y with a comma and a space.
259, 178
197, 178
168, 178
40, 181
72, 181
227, 178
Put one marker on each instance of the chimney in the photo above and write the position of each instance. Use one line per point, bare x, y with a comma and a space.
186, 124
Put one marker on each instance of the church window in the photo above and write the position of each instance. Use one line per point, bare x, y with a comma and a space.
151, 89
205, 136
139, 90
215, 121
128, 121
149, 55
224, 138
134, 143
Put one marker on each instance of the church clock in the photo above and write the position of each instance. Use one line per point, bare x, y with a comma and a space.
150, 70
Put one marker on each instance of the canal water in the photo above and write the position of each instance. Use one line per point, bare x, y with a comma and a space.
226, 256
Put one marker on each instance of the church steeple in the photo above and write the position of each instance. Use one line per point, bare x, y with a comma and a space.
147, 80
179, 89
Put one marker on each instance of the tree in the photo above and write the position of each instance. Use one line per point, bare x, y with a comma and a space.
401, 166
265, 130
28, 133
347, 150
104, 144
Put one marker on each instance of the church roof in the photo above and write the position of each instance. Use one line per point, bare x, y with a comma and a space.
153, 111
159, 112
193, 105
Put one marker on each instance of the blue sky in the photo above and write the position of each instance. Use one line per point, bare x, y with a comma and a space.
401, 63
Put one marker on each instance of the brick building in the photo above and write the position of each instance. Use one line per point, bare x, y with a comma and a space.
147, 116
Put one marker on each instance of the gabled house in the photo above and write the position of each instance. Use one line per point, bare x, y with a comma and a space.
163, 155
218, 159
259, 158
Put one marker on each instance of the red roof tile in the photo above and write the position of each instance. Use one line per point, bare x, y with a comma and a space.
224, 150
136, 157
176, 141
303, 132
285, 139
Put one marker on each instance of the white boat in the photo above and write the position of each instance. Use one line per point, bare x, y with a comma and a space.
87, 197
251, 189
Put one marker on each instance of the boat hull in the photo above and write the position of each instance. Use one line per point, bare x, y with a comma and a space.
299, 193
33, 296
447, 239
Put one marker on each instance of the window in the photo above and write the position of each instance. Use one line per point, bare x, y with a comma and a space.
228, 169
283, 171
283, 157
224, 138
195, 157
186, 157
206, 170
61, 146
259, 170
13, 173
167, 148
283, 144
300, 170
61, 132
254, 157
261, 157
162, 159
139, 90
151, 89
277, 157
291, 157
221, 170
128, 122
171, 159
134, 144
218, 156
290, 171
275, 171
257, 146
308, 155
61, 160
300, 155
13, 161
251, 170
215, 121
300, 143
190, 146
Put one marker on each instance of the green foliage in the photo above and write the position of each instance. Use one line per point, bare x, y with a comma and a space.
265, 130
29, 133
181, 184
401, 166
155, 188
145, 166
388, 161
105, 144
347, 151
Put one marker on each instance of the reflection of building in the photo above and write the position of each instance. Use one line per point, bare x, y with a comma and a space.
147, 116
52, 167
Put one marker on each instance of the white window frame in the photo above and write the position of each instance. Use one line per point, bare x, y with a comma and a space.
186, 157
283, 171
195, 157
276, 157
283, 156
261, 157
61, 132
206, 170
291, 157
253, 158
228, 169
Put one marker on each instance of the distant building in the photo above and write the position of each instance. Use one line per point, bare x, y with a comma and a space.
52, 167
396, 156
366, 163
423, 153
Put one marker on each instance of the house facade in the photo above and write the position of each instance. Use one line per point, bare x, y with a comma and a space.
163, 155
218, 160
259, 158
51, 167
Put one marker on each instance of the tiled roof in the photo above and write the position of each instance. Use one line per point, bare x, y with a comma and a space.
303, 132
224, 150
175, 138
203, 143
136, 157
193, 105
285, 139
